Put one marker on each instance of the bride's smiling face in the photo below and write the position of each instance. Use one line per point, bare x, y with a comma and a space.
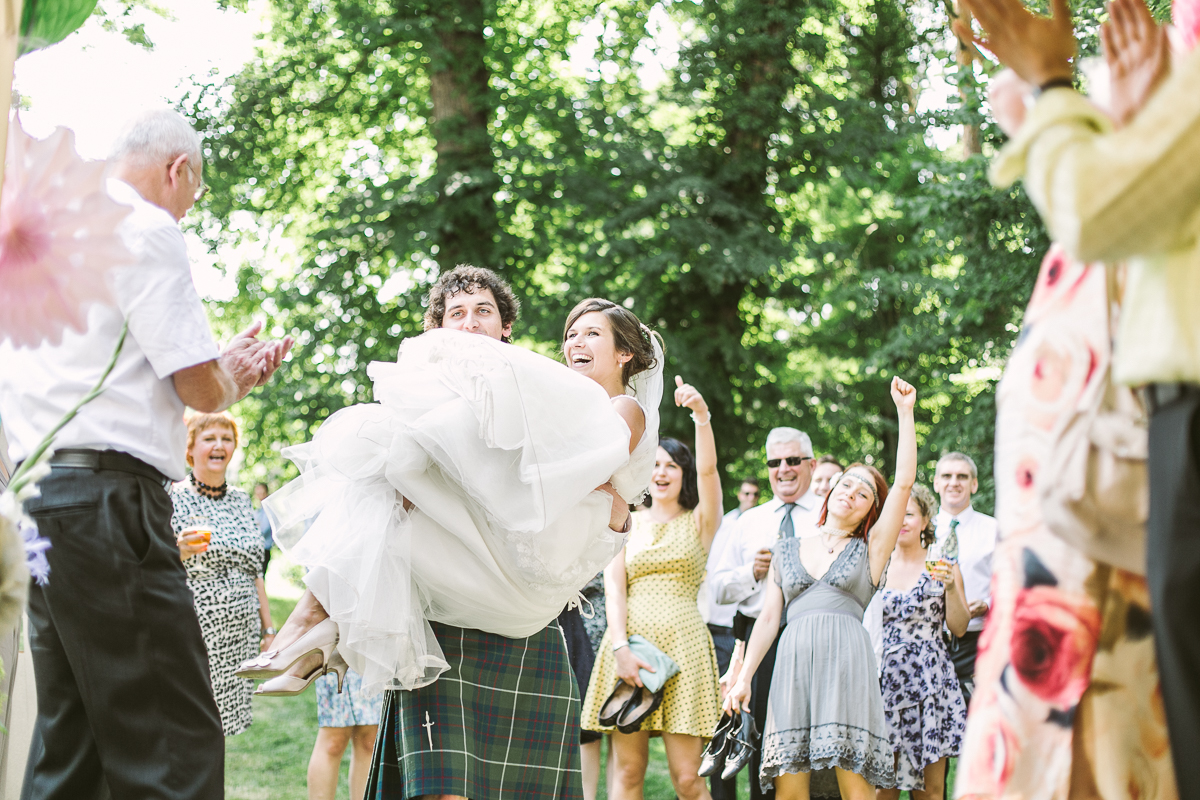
590, 349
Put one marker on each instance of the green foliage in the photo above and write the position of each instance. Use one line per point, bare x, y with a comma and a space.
47, 22
775, 206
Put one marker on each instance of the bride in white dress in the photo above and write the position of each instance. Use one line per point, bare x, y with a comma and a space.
466, 494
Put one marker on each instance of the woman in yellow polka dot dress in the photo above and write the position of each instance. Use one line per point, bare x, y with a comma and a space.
651, 590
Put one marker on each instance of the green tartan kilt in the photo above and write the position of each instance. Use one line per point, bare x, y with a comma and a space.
503, 722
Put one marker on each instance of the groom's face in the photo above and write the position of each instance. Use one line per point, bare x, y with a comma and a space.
475, 312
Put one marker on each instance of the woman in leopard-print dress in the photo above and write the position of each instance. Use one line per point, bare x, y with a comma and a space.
224, 574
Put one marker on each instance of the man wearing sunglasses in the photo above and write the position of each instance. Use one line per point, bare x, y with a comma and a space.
740, 576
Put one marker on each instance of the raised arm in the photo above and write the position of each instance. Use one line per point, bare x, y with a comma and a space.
708, 513
887, 527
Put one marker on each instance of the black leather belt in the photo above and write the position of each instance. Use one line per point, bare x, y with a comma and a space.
1159, 395
96, 460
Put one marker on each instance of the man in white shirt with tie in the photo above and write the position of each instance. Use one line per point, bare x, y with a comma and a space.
742, 571
719, 616
955, 481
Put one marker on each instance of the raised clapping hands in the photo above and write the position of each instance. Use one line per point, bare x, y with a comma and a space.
904, 395
1039, 49
250, 362
1138, 54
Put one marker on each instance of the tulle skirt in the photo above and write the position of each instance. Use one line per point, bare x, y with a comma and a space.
498, 452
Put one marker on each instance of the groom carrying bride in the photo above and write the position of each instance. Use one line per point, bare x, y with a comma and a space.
483, 527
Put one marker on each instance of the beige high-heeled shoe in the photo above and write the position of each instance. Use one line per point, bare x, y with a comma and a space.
320, 638
288, 685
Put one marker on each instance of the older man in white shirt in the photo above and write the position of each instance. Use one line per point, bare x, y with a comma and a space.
956, 481
125, 706
719, 616
746, 558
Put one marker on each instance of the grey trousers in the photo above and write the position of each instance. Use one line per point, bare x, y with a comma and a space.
1173, 573
125, 702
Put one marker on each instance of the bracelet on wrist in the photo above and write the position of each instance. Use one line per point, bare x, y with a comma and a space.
618, 645
707, 419
269, 631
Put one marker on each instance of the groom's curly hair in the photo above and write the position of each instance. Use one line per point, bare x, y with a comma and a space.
469, 279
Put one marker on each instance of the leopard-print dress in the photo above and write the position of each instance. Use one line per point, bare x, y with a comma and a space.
222, 583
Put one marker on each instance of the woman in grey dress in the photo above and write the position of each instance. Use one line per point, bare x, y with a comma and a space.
826, 709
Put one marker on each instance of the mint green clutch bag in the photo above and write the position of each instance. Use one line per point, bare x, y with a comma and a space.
664, 667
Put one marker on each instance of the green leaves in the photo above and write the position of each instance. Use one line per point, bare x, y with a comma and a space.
776, 203
47, 22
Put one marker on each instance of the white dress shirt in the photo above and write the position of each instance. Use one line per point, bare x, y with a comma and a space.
1130, 194
976, 543
733, 580
713, 610
139, 412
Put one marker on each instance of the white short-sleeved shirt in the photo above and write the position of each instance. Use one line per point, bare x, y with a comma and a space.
139, 412
733, 579
976, 543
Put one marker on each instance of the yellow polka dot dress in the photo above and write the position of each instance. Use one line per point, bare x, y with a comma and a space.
664, 564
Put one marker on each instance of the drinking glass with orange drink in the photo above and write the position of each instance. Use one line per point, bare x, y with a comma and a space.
195, 538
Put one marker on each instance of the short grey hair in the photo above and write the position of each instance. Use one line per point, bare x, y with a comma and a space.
956, 456
785, 435
157, 135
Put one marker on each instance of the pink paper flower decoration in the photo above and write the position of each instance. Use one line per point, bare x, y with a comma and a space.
57, 238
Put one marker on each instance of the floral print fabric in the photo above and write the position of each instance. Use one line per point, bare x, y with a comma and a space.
1067, 700
348, 709
922, 700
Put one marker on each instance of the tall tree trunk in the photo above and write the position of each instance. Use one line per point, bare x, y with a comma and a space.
462, 108
966, 78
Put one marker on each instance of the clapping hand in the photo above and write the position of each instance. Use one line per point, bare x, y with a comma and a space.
904, 394
250, 362
686, 396
1039, 49
1138, 55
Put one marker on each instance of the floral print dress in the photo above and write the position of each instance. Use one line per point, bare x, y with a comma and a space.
1067, 699
922, 700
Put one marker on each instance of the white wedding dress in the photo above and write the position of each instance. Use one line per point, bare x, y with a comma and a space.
499, 451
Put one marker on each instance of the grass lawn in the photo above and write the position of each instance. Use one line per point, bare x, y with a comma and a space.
270, 761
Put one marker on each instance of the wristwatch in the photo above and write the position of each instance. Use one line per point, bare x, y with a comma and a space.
1061, 82
269, 632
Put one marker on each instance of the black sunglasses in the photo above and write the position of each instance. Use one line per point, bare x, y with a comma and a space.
792, 461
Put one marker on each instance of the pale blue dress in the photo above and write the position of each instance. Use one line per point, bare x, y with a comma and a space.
826, 709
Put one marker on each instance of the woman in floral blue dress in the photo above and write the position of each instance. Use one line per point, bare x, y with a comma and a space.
922, 700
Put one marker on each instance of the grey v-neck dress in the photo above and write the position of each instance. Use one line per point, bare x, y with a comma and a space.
826, 709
